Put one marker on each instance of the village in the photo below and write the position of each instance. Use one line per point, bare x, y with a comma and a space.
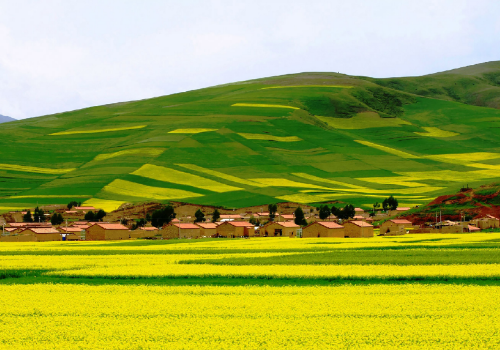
246, 224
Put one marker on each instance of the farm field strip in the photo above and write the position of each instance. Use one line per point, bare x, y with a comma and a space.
95, 131
262, 105
150, 152
191, 131
364, 120
270, 137
221, 175
308, 86
32, 169
133, 189
182, 178
106, 204
436, 132
387, 149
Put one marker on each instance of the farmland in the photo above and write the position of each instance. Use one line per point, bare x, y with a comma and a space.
413, 291
309, 137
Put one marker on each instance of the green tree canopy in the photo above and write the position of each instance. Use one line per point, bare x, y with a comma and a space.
324, 212
215, 215
163, 216
200, 217
27, 217
272, 208
299, 217
72, 204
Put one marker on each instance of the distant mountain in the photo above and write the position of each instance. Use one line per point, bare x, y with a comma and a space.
4, 119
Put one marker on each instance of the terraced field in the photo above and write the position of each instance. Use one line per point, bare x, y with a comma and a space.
412, 292
310, 137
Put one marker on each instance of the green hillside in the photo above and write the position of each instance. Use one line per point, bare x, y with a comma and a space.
309, 137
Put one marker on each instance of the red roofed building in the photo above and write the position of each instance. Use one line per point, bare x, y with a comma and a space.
179, 230
358, 229
395, 227
207, 229
323, 229
84, 208
233, 229
144, 232
229, 217
104, 231
279, 229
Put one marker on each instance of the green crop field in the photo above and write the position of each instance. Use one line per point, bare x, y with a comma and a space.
417, 291
307, 138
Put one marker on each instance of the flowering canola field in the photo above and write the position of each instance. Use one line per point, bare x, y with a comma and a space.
412, 292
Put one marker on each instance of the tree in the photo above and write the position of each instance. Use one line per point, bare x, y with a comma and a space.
99, 215
254, 221
347, 212
200, 217
162, 216
56, 219
27, 217
390, 203
393, 203
90, 216
39, 215
139, 223
299, 217
324, 212
72, 204
215, 215
272, 208
376, 205
335, 211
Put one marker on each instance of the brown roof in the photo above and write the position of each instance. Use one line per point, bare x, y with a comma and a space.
240, 223
29, 224
288, 224
186, 226
401, 221
112, 226
80, 223
491, 217
42, 230
84, 208
176, 220
357, 217
71, 229
207, 225
70, 211
329, 224
83, 227
148, 228
403, 208
10, 229
358, 209
361, 223
230, 216
474, 228
288, 216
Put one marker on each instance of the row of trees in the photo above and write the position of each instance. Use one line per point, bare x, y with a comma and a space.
97, 216
38, 216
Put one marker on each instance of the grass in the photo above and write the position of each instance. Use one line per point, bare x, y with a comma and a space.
366, 150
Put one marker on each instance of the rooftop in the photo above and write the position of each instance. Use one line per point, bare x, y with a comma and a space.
329, 224
361, 223
206, 225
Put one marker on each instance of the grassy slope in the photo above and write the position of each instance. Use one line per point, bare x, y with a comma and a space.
327, 151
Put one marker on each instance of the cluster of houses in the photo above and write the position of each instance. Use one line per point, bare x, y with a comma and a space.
234, 226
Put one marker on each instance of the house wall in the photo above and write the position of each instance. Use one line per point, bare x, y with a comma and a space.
46, 237
114, 235
190, 233
317, 230
208, 232
18, 238
95, 233
355, 231
169, 232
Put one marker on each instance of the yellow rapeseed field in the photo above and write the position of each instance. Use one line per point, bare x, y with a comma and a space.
308, 86
133, 189
388, 149
105, 204
270, 137
190, 131
144, 295
182, 178
262, 105
280, 182
221, 175
436, 132
150, 152
71, 132
32, 169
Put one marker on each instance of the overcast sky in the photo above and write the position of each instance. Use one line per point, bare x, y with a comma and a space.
63, 55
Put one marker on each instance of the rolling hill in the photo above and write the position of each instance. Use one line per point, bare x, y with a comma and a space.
307, 138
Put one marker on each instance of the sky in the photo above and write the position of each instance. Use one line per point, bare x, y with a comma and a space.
57, 56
